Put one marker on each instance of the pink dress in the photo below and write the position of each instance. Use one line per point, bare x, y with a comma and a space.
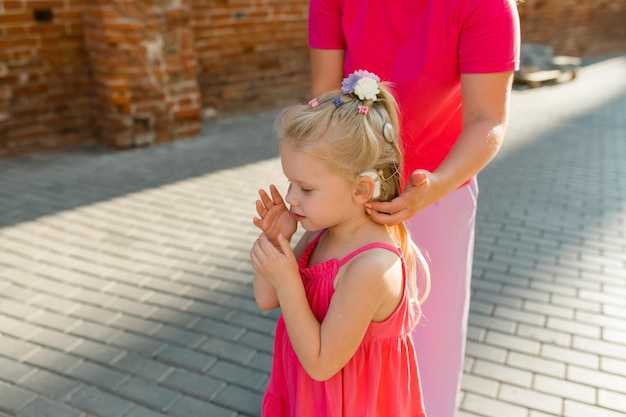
381, 379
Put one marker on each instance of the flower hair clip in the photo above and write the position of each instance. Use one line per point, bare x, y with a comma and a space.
338, 102
313, 102
363, 110
363, 84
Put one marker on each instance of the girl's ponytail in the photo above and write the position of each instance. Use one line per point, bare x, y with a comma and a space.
417, 270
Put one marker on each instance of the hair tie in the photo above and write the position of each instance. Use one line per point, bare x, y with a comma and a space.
363, 110
314, 102
337, 101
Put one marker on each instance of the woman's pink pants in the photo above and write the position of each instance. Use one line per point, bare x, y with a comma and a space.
444, 231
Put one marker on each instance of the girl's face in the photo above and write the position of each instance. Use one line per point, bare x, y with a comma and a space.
319, 198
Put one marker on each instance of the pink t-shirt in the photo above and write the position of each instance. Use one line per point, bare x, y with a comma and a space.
422, 46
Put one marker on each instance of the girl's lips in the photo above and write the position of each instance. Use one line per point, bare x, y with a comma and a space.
296, 215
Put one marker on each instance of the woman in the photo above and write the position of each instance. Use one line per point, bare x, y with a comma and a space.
452, 64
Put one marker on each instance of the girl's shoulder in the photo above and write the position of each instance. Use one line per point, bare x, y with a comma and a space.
373, 261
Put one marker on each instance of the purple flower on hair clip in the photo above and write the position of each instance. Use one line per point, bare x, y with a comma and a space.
313, 102
361, 83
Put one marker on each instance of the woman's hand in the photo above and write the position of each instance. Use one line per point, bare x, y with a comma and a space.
277, 265
274, 217
421, 191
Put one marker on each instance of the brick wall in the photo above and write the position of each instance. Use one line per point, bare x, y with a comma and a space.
585, 28
124, 73
252, 54
44, 77
144, 71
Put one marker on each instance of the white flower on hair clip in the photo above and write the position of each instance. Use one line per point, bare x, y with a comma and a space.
363, 84
376, 177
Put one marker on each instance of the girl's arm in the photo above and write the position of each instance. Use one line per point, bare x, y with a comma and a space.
369, 289
264, 293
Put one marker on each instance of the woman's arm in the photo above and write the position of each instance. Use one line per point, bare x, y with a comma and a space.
326, 70
485, 114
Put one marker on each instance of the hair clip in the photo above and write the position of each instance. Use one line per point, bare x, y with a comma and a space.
363, 84
313, 102
337, 101
388, 132
363, 110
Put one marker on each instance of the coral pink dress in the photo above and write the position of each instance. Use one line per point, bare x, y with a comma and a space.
381, 379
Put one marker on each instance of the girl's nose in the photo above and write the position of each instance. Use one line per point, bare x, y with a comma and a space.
289, 197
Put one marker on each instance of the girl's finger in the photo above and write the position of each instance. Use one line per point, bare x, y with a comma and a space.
265, 198
260, 208
278, 199
285, 246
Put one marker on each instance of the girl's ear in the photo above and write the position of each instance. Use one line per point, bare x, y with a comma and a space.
364, 189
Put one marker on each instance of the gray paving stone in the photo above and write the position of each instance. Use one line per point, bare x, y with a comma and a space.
43, 407
242, 400
191, 407
12, 371
234, 352
97, 352
531, 399
485, 406
565, 389
537, 364
52, 360
13, 399
596, 378
148, 393
544, 335
186, 358
194, 384
138, 365
98, 375
99, 403
503, 373
143, 412
576, 409
137, 343
217, 328
238, 374
53, 386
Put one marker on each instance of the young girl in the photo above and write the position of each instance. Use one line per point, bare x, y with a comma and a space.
347, 292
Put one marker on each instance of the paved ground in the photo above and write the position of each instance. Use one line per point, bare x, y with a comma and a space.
125, 284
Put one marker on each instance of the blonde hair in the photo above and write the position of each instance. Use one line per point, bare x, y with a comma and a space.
350, 142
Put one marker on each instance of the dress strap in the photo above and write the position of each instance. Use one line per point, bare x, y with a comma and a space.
373, 245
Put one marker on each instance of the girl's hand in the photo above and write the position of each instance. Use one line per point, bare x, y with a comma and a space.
274, 217
277, 265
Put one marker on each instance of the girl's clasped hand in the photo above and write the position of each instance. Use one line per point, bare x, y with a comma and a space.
271, 254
